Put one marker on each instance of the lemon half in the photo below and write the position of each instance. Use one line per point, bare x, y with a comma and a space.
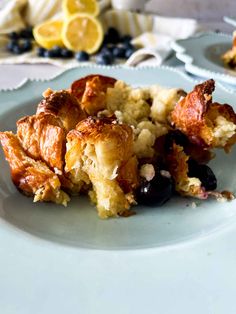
48, 34
71, 7
82, 32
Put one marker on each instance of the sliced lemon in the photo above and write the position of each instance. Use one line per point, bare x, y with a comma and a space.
48, 34
80, 6
82, 32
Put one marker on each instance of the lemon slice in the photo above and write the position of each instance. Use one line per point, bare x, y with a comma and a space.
82, 32
48, 34
80, 6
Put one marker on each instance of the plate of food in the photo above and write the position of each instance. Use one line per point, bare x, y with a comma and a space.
208, 55
106, 174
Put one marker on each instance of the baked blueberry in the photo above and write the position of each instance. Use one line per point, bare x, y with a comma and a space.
175, 136
155, 192
82, 56
204, 174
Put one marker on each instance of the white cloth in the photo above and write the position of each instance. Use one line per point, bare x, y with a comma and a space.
157, 43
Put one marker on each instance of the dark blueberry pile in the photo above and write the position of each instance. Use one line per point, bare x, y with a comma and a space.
55, 52
114, 47
20, 42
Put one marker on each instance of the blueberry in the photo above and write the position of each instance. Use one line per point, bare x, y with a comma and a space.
26, 33
41, 51
82, 56
129, 52
176, 137
126, 39
66, 53
13, 35
48, 54
112, 36
12, 43
203, 173
119, 52
155, 192
104, 59
128, 45
26, 45
56, 52
17, 50
107, 50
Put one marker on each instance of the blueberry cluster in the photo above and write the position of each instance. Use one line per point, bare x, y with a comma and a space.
55, 52
20, 42
114, 47
160, 189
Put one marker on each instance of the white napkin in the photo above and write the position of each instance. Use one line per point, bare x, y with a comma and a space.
156, 44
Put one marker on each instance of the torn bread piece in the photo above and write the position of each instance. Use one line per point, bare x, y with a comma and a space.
101, 151
64, 106
229, 57
207, 124
91, 92
177, 162
43, 138
31, 177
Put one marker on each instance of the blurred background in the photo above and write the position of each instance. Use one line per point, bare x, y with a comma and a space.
209, 12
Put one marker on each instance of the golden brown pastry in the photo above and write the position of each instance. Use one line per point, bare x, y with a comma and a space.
205, 123
91, 92
64, 106
43, 137
177, 161
31, 177
101, 151
229, 58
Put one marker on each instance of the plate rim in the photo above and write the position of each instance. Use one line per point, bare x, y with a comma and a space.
189, 61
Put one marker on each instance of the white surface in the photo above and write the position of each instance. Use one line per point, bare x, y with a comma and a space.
13, 75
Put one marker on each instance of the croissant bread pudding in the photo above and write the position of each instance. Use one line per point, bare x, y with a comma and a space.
121, 145
229, 57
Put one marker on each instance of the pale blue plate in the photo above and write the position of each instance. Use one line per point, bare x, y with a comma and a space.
172, 259
202, 56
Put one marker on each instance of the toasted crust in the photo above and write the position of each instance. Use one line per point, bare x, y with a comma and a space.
64, 106
229, 57
43, 138
31, 177
196, 116
91, 92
